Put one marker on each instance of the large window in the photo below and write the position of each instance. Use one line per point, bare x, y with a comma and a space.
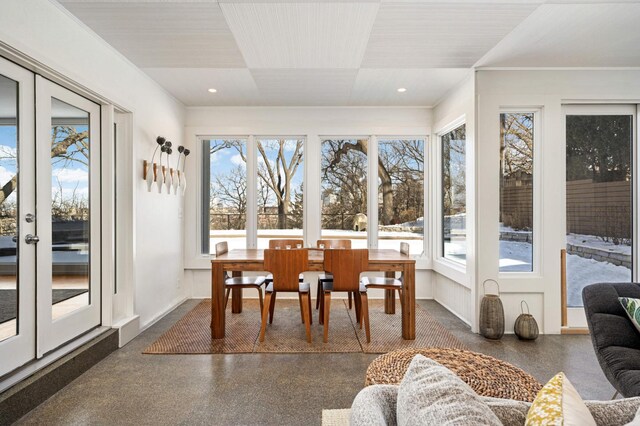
225, 202
454, 204
516, 192
599, 193
344, 190
280, 176
401, 193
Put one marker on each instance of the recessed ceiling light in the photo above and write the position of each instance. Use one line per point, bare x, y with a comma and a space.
212, 90
402, 90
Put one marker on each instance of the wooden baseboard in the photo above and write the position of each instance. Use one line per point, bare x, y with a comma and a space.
574, 330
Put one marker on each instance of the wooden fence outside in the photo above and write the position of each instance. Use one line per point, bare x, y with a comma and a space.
593, 208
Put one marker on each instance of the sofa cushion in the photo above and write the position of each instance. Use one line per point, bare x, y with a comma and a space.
431, 394
558, 403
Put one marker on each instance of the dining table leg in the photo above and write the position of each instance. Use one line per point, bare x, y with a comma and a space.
390, 296
236, 296
409, 302
217, 301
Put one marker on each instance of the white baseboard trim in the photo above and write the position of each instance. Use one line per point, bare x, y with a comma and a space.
128, 329
162, 314
448, 308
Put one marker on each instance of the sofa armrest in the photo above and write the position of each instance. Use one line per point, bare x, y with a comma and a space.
375, 405
616, 412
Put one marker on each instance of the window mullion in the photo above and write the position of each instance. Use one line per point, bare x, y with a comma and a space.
372, 190
252, 196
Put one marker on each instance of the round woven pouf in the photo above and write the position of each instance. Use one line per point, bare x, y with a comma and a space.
486, 375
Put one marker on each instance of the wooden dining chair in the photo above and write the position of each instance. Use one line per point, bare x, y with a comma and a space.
345, 265
286, 266
238, 282
394, 284
326, 277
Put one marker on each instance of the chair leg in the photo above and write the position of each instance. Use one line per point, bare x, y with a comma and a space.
226, 297
365, 315
265, 315
301, 307
401, 300
271, 305
321, 313
309, 306
318, 294
306, 311
327, 309
260, 299
349, 297
358, 306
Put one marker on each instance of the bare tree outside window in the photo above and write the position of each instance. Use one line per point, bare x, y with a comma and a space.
344, 190
227, 184
516, 192
454, 205
280, 178
401, 193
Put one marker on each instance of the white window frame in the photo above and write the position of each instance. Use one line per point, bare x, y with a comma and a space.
537, 235
456, 271
372, 185
251, 226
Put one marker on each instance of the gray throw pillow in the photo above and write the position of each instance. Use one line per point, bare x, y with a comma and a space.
431, 394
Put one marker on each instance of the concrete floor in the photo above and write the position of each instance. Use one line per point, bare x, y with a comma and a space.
130, 388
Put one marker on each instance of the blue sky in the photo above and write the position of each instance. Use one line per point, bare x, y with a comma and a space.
69, 176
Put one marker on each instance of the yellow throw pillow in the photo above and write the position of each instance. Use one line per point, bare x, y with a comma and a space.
558, 403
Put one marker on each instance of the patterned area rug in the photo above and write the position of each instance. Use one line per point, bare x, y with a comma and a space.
192, 333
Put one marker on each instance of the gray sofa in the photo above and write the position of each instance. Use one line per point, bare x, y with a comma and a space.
615, 339
376, 405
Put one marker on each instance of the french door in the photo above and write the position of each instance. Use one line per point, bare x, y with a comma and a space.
49, 216
600, 201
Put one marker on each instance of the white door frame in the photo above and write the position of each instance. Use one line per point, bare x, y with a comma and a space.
52, 334
20, 349
576, 316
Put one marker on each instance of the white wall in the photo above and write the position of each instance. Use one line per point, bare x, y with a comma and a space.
455, 285
310, 122
48, 34
548, 91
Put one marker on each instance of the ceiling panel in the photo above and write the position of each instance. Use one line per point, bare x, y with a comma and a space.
163, 34
572, 35
304, 87
301, 35
439, 35
235, 87
375, 87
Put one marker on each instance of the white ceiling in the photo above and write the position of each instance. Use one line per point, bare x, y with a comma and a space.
353, 52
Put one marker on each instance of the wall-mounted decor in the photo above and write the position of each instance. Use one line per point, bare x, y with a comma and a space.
163, 175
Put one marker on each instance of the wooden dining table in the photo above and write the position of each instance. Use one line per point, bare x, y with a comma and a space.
246, 260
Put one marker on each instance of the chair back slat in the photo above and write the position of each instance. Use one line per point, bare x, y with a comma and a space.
346, 265
284, 243
286, 266
222, 248
404, 248
334, 244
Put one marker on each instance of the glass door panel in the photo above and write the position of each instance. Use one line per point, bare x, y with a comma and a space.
17, 259
70, 236
68, 147
599, 198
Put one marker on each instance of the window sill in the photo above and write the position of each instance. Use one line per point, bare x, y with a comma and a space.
452, 270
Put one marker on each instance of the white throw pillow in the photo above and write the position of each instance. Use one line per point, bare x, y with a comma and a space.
431, 394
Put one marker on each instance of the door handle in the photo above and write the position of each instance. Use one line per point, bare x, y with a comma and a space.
31, 239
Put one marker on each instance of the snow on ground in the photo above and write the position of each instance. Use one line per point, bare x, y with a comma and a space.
593, 241
581, 272
516, 257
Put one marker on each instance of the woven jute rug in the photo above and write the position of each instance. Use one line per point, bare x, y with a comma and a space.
192, 333
386, 331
